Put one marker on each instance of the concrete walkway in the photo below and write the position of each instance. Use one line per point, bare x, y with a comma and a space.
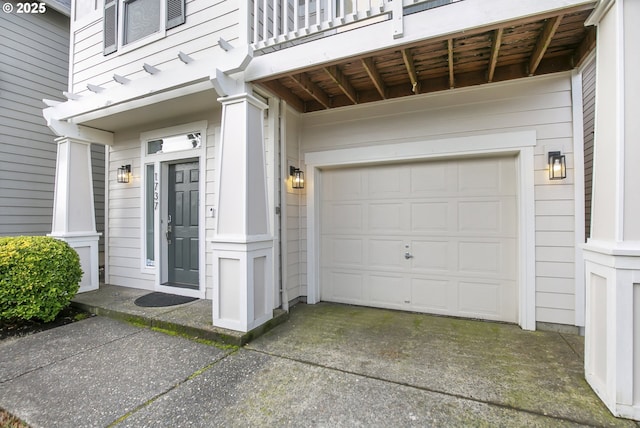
329, 365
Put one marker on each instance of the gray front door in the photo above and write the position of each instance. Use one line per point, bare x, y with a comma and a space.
183, 225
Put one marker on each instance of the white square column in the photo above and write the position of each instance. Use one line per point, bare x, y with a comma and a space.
243, 244
73, 207
612, 254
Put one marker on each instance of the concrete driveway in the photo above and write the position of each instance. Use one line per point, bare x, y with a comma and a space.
329, 365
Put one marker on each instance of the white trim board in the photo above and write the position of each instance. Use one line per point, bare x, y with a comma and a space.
519, 143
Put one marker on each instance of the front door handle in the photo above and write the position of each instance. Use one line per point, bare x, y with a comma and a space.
167, 234
408, 255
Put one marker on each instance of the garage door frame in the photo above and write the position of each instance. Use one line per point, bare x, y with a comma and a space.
520, 144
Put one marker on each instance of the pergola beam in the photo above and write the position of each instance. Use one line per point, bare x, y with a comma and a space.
543, 43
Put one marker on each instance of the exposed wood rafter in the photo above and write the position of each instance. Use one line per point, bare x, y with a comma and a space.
375, 77
544, 40
312, 89
286, 94
411, 69
452, 78
495, 50
342, 82
552, 42
586, 46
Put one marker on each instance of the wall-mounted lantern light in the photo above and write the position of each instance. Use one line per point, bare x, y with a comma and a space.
297, 177
124, 172
557, 166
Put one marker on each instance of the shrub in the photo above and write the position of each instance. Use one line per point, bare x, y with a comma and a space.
39, 276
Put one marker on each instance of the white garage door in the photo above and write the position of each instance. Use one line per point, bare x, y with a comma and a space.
437, 237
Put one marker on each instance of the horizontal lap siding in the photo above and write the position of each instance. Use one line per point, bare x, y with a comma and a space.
98, 171
589, 113
206, 22
33, 65
540, 104
295, 245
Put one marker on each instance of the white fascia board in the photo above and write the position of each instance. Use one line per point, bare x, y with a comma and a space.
439, 22
600, 10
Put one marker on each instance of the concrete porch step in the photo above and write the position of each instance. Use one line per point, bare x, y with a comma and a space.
192, 320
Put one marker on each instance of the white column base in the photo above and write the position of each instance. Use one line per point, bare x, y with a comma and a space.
87, 248
612, 330
242, 288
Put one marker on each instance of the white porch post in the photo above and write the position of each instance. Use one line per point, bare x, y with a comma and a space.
612, 255
243, 244
73, 208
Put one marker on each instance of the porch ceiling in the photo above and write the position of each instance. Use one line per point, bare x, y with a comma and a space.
526, 47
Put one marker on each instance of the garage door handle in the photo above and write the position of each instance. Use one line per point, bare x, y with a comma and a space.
408, 255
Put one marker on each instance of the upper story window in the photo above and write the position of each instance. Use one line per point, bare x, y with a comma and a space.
128, 21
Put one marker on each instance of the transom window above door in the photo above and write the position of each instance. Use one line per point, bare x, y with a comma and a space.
175, 143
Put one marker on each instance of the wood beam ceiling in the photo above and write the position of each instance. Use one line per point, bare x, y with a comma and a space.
302, 79
544, 40
452, 79
343, 83
495, 51
411, 70
375, 77
517, 49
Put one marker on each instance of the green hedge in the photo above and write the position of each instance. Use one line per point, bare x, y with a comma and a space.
39, 276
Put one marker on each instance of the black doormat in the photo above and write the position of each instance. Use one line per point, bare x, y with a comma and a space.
157, 300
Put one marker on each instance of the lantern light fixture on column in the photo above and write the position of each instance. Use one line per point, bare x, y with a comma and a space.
557, 166
297, 180
124, 173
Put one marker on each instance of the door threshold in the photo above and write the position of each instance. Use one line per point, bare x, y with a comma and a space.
180, 285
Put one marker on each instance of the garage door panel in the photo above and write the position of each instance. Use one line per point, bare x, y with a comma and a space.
350, 215
488, 300
457, 219
387, 289
479, 257
479, 177
487, 217
346, 287
436, 179
432, 295
343, 252
478, 298
432, 216
386, 253
431, 255
344, 184
386, 218
387, 182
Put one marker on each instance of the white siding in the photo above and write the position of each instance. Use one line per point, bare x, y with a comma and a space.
206, 22
296, 227
542, 104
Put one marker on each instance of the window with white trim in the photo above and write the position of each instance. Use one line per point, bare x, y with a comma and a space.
128, 21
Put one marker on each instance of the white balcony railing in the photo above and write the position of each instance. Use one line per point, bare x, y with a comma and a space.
280, 23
